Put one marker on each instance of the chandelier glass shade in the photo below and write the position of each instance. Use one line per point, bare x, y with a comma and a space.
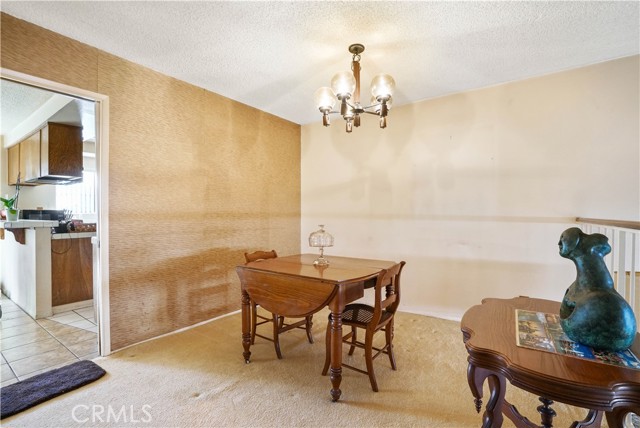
345, 89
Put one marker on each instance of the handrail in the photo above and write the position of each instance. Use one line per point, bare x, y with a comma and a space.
615, 223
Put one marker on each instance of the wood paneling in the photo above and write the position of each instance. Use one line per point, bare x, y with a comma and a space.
196, 180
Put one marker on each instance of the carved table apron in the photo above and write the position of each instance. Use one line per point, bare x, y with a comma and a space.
489, 333
293, 287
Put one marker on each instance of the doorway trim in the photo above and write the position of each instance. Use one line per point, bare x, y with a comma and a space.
102, 166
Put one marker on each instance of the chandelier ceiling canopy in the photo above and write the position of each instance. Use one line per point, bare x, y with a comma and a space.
345, 87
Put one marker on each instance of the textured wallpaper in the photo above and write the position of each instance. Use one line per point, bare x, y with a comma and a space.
195, 180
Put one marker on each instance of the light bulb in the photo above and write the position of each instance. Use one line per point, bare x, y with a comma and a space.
349, 125
382, 86
325, 99
343, 84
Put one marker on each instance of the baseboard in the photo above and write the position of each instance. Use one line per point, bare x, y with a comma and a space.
446, 314
71, 306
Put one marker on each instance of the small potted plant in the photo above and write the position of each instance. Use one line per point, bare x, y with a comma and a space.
11, 204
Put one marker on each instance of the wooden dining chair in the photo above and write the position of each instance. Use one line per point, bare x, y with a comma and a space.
279, 323
379, 317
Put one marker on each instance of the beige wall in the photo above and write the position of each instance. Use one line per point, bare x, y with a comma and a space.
473, 190
195, 180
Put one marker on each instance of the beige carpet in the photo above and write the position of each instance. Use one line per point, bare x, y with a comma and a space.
198, 378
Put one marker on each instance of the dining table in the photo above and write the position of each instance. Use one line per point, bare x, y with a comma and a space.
293, 286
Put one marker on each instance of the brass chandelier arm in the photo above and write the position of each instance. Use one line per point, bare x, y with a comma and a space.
358, 110
361, 109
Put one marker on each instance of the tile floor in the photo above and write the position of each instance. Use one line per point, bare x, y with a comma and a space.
29, 347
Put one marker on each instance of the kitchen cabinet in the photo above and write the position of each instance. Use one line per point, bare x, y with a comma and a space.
71, 270
51, 155
20, 156
30, 157
13, 164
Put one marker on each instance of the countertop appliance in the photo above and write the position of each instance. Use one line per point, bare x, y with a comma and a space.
42, 214
55, 215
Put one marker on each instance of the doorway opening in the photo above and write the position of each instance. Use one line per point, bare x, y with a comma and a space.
89, 199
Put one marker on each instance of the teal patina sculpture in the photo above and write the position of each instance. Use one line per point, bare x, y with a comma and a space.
592, 312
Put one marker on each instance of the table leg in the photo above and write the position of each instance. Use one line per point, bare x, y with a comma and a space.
593, 420
616, 417
246, 326
476, 376
335, 370
546, 412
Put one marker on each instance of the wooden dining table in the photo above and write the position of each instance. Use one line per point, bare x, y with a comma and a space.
293, 286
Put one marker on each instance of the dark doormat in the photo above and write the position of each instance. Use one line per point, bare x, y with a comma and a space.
37, 389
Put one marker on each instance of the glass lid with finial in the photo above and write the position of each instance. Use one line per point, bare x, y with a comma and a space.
320, 238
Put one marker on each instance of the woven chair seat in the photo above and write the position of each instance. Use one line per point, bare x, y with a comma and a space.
360, 314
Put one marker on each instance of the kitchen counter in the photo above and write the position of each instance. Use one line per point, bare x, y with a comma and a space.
26, 264
73, 235
18, 227
27, 224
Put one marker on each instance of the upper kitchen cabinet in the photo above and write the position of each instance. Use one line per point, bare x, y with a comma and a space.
20, 156
61, 152
13, 164
30, 157
52, 155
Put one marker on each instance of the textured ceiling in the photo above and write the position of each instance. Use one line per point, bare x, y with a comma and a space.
25, 105
17, 102
273, 55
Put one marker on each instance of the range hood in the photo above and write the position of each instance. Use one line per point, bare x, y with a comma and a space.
55, 179
71, 115
52, 155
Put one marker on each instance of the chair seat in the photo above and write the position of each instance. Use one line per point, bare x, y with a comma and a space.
361, 315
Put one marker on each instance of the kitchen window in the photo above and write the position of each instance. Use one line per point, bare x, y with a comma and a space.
79, 198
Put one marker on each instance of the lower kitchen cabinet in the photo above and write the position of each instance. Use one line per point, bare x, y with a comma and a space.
71, 270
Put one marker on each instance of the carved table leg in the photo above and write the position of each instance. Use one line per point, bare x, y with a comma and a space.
593, 420
335, 372
246, 326
476, 390
546, 412
616, 417
497, 385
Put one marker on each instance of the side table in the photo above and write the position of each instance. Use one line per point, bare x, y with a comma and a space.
489, 334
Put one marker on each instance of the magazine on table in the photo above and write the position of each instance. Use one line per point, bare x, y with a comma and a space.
541, 331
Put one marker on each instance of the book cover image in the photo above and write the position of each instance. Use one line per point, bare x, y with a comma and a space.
537, 330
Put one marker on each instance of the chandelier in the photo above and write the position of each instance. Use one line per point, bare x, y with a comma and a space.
345, 87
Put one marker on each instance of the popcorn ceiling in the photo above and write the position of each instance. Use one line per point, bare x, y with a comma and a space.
274, 55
